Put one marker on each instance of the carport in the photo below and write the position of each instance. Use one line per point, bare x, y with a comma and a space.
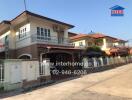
59, 55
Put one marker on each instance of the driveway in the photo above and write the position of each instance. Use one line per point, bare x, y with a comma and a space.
115, 84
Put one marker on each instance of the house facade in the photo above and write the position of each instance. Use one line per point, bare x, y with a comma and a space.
32, 36
106, 43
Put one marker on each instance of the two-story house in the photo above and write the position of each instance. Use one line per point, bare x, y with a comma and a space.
105, 42
32, 36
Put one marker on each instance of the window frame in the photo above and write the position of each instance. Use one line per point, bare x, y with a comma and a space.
81, 44
43, 33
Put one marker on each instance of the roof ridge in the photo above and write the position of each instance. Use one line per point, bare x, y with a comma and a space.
41, 16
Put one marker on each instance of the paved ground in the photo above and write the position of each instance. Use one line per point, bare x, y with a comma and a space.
115, 84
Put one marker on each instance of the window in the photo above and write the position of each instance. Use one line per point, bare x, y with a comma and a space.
48, 32
80, 44
38, 31
73, 44
90, 43
43, 33
25, 32
22, 33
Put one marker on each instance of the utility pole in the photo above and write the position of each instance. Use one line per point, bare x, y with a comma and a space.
25, 5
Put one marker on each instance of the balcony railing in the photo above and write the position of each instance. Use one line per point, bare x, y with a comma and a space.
51, 40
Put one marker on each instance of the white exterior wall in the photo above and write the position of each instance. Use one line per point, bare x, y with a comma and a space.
77, 43
104, 47
26, 41
12, 71
15, 71
119, 44
48, 25
85, 62
66, 36
12, 39
116, 44
30, 70
35, 24
31, 29
45, 68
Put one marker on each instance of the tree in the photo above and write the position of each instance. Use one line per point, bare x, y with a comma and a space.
98, 42
94, 51
93, 48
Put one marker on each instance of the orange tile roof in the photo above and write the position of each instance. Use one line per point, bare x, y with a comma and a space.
120, 40
97, 35
119, 49
94, 35
130, 51
79, 36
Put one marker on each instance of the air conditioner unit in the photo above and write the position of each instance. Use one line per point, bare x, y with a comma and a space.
58, 29
55, 28
61, 30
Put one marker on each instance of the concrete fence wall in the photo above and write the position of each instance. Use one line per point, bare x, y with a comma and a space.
105, 61
16, 74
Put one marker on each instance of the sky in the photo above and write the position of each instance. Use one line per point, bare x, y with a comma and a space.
85, 15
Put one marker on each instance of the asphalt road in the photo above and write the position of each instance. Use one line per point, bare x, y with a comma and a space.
115, 84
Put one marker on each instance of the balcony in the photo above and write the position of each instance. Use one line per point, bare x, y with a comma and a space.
29, 39
50, 40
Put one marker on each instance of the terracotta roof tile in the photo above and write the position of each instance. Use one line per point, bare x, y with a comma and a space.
97, 35
79, 36
94, 35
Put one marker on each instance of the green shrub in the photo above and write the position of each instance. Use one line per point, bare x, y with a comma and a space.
93, 48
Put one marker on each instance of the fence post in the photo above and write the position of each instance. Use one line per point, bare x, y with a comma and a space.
1, 73
101, 60
108, 60
46, 67
94, 62
85, 62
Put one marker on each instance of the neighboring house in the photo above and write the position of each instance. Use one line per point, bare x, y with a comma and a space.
82, 41
32, 36
106, 43
130, 51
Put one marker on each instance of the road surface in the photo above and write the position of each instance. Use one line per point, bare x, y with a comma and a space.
115, 84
